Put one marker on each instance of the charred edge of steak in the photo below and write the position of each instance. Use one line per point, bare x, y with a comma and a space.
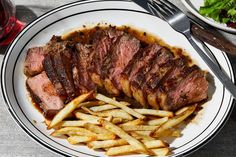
75, 71
33, 62
191, 89
84, 61
51, 73
67, 62
62, 75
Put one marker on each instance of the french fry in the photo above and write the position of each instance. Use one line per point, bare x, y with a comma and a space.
90, 103
84, 116
147, 133
117, 120
180, 111
134, 122
161, 151
97, 129
158, 121
120, 150
77, 122
138, 127
106, 144
174, 121
141, 137
118, 113
80, 139
103, 108
120, 105
71, 130
106, 107
123, 135
68, 109
160, 113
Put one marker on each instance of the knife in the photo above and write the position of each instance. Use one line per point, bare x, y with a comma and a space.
202, 31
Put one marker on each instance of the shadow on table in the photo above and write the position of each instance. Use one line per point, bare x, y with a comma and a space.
23, 14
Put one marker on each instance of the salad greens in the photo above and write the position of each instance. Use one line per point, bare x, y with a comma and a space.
223, 11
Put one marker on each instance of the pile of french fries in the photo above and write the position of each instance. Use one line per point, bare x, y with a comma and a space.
115, 127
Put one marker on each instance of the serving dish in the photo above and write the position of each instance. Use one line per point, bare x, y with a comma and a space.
65, 18
194, 5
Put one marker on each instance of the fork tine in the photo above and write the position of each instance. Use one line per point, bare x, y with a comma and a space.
162, 10
171, 5
166, 5
159, 11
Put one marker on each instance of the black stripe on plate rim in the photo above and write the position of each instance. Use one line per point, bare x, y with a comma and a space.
61, 19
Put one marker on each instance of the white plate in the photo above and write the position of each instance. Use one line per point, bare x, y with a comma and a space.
205, 125
194, 5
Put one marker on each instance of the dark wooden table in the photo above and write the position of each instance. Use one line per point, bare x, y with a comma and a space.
14, 142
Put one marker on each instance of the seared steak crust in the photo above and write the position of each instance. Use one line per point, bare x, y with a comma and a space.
52, 75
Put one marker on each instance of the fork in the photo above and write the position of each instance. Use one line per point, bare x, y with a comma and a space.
181, 23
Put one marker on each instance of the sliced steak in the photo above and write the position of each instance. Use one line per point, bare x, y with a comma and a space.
118, 58
33, 61
159, 83
138, 72
178, 73
125, 75
102, 42
162, 64
193, 88
62, 75
52, 75
44, 93
60, 52
84, 60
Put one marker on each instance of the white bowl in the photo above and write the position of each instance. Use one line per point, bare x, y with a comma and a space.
194, 5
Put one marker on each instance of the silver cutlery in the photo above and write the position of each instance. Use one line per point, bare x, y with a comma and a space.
181, 23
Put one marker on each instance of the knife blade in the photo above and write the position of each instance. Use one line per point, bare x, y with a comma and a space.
202, 31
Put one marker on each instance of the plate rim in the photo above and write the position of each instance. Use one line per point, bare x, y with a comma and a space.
216, 25
56, 150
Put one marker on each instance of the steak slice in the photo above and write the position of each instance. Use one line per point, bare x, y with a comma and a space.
44, 94
193, 88
121, 53
166, 77
62, 75
60, 52
162, 64
138, 72
102, 42
83, 57
33, 62
171, 81
125, 75
52, 75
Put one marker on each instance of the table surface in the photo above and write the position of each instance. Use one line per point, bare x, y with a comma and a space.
14, 142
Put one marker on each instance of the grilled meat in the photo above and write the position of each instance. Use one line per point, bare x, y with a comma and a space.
33, 61
43, 93
117, 61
